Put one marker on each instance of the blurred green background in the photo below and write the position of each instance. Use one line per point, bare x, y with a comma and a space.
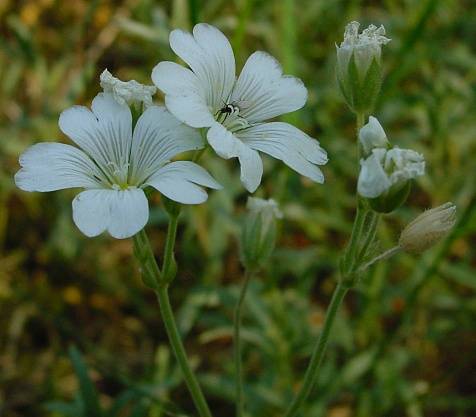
405, 341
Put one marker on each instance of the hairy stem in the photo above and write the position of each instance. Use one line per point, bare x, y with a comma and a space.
179, 352
159, 281
311, 375
237, 349
385, 255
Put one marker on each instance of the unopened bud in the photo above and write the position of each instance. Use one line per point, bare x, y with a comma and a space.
359, 71
372, 136
259, 232
428, 228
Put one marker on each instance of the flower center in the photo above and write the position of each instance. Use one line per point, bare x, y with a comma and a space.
119, 175
229, 116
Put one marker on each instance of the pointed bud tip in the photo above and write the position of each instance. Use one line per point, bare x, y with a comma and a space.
428, 228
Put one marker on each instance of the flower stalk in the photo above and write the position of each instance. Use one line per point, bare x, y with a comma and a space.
311, 375
239, 398
159, 281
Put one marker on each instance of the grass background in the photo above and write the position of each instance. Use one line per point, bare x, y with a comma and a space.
405, 340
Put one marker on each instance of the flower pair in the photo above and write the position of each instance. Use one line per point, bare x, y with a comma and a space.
116, 162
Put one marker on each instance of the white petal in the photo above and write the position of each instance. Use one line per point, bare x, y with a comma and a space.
223, 142
158, 137
189, 171
55, 166
264, 89
209, 55
177, 80
104, 134
180, 182
227, 145
372, 136
289, 144
251, 168
122, 213
373, 180
184, 94
190, 110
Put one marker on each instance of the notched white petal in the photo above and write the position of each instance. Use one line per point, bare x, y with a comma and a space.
180, 181
288, 144
123, 213
158, 137
56, 166
105, 133
268, 92
227, 145
208, 53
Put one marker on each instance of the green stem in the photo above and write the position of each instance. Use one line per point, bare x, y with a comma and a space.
360, 121
179, 351
237, 341
350, 255
385, 255
168, 265
160, 283
311, 373
370, 231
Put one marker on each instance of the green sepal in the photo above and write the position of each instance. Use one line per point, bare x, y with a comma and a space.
141, 254
258, 240
360, 90
371, 85
392, 199
167, 276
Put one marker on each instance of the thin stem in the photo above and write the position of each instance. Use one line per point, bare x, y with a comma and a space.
179, 351
350, 255
360, 121
144, 254
159, 282
311, 373
371, 223
385, 255
237, 341
168, 270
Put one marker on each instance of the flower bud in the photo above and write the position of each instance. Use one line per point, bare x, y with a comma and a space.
428, 228
259, 232
372, 136
385, 176
359, 71
127, 92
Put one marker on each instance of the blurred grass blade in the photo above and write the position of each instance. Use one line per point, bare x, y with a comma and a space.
87, 389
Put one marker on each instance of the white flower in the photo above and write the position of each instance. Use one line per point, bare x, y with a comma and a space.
208, 95
127, 92
372, 136
365, 46
384, 169
114, 164
428, 228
